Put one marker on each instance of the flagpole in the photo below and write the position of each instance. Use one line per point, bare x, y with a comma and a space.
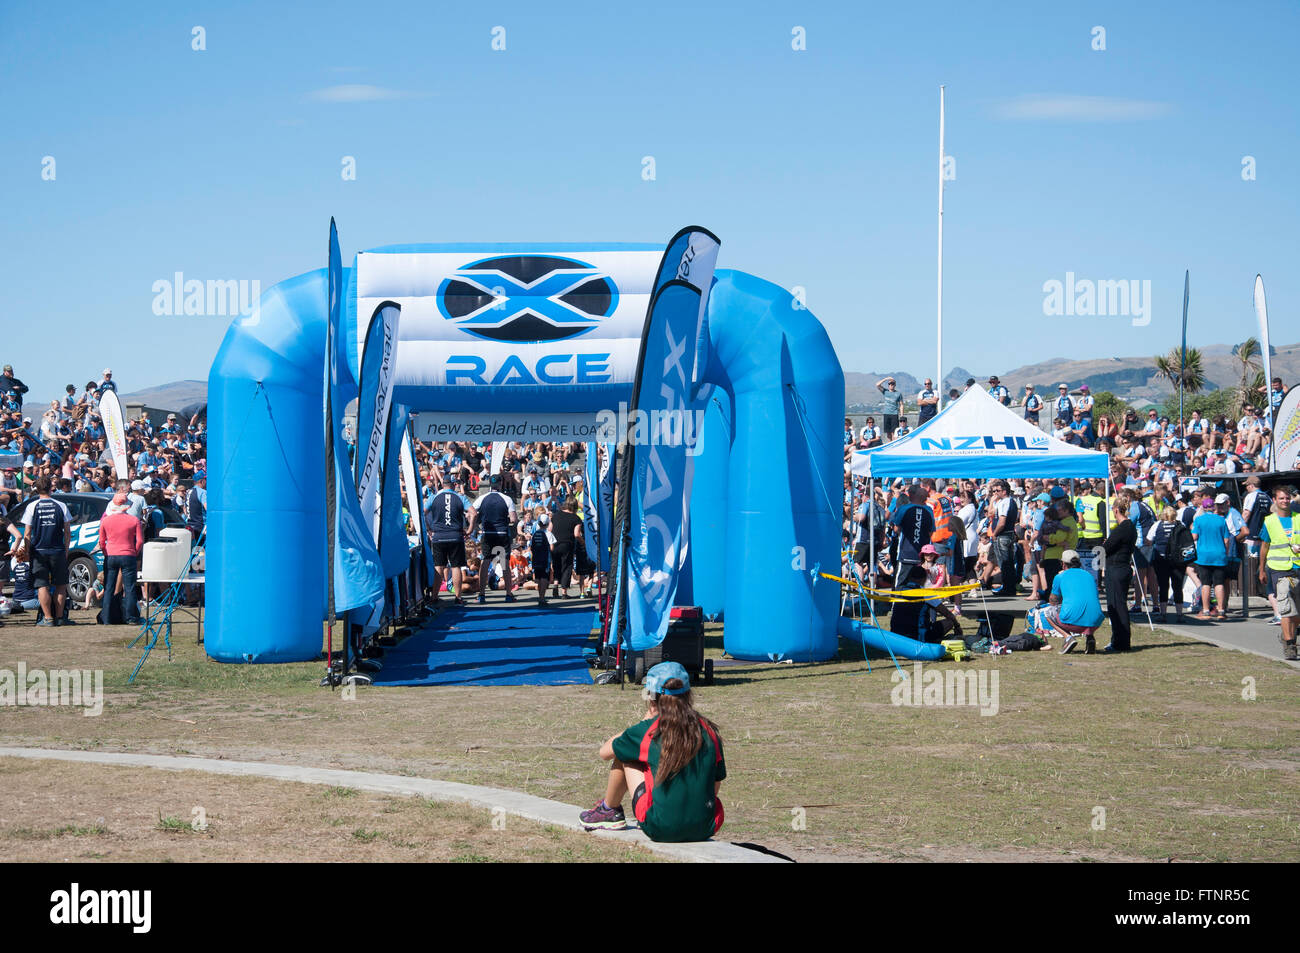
1182, 363
938, 362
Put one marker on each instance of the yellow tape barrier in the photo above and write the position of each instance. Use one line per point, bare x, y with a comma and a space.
904, 595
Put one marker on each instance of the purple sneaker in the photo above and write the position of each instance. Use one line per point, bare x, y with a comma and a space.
604, 817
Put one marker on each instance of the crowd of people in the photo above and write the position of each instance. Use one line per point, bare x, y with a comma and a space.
1169, 523
1153, 449
517, 529
67, 452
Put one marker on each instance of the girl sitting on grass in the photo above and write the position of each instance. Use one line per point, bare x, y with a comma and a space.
671, 761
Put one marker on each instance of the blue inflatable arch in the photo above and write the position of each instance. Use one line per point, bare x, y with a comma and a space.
766, 500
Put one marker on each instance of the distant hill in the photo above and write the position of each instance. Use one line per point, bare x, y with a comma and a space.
171, 396
1132, 378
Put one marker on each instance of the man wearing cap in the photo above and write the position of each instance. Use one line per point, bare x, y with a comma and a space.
1064, 407
891, 405
107, 383
196, 505
10, 384
1254, 509
1075, 591
1083, 403
998, 392
1279, 566
1033, 405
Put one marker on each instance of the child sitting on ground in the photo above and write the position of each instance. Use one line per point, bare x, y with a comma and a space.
95, 593
671, 762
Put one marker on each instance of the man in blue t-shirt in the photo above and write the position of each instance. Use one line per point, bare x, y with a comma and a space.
1075, 591
1210, 530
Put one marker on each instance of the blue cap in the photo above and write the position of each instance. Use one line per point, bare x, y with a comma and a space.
1042, 498
1058, 493
662, 674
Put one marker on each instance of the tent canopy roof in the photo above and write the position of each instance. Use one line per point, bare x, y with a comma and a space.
975, 436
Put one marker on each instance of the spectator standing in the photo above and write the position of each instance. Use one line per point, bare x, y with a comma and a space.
1004, 513
1064, 407
121, 538
1210, 531
1033, 405
196, 505
891, 400
495, 513
1119, 545
1083, 404
999, 392
447, 537
567, 529
1279, 566
915, 526
539, 544
1166, 538
928, 402
48, 531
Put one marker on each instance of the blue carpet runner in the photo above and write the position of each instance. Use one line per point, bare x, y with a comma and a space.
495, 644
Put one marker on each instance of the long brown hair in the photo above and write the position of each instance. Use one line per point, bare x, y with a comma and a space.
679, 733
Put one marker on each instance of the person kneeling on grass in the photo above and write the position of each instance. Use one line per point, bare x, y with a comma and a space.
1075, 591
672, 762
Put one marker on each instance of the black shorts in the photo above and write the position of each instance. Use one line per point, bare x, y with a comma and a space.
1211, 575
862, 553
891, 424
494, 541
449, 552
49, 568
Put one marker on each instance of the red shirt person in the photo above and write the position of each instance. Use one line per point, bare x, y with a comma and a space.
121, 537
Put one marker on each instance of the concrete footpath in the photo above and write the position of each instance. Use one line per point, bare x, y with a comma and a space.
1250, 633
527, 806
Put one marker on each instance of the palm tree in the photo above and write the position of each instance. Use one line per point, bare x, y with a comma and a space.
1253, 392
1192, 375
1250, 390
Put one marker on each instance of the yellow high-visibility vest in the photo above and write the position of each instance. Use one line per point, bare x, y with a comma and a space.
1089, 517
1280, 555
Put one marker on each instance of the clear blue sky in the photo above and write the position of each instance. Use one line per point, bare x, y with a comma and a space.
817, 168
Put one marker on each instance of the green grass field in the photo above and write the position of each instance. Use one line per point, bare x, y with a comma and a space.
1179, 750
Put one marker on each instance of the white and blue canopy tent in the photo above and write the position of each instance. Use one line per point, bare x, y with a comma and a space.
977, 438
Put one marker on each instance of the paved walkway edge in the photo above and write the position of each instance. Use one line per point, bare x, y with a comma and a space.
527, 806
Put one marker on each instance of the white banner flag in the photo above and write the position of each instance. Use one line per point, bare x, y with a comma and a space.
110, 412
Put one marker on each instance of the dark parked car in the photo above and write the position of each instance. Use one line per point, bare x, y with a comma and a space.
87, 509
